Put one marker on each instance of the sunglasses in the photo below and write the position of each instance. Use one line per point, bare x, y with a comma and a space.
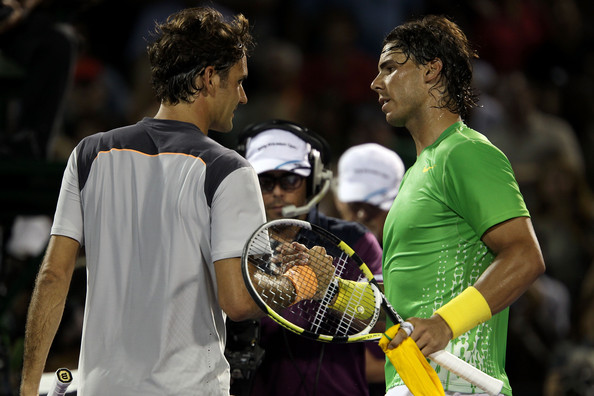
286, 181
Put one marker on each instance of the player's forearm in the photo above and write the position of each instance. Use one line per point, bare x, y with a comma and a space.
44, 316
512, 272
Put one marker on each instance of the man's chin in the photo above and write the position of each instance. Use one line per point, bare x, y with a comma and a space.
394, 121
274, 214
221, 128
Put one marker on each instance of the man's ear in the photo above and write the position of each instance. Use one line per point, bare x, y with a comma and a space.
433, 69
209, 80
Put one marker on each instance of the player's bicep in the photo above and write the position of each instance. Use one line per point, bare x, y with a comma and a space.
237, 210
518, 262
60, 259
516, 231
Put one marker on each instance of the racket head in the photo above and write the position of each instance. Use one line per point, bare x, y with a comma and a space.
345, 310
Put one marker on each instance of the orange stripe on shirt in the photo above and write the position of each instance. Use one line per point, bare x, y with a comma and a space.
149, 155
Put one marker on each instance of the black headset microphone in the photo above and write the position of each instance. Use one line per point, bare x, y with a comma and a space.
319, 156
324, 177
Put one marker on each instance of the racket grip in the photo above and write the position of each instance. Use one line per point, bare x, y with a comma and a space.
61, 382
464, 370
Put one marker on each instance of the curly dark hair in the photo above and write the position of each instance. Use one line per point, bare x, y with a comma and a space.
188, 42
432, 37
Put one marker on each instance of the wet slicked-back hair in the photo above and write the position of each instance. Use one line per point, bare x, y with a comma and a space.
188, 42
432, 37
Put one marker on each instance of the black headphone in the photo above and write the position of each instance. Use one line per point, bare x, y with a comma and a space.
319, 153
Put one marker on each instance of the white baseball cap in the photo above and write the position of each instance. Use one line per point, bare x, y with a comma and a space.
277, 149
369, 173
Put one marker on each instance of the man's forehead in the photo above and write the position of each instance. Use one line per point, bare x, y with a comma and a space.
242, 65
390, 46
391, 51
238, 71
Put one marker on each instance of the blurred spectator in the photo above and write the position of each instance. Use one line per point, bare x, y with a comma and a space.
572, 370
489, 110
45, 49
552, 74
96, 102
539, 322
508, 32
563, 69
585, 322
29, 236
581, 93
275, 68
564, 222
572, 373
369, 177
336, 76
528, 136
374, 19
563, 219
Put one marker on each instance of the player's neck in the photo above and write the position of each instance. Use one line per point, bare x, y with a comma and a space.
426, 130
181, 112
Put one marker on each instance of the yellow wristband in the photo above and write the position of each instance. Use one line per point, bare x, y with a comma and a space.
355, 299
304, 280
465, 311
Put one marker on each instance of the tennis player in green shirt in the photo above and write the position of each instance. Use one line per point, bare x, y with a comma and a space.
459, 246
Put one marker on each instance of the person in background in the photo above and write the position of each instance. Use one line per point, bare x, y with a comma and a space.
42, 48
369, 176
459, 246
292, 166
163, 212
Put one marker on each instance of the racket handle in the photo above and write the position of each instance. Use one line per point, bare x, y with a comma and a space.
61, 382
464, 370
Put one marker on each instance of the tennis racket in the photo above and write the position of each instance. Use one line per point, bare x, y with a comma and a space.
62, 381
313, 284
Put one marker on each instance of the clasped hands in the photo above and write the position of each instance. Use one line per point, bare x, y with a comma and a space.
310, 270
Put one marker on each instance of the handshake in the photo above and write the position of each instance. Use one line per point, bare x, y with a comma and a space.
311, 272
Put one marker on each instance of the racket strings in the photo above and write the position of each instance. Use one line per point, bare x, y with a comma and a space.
345, 323
320, 320
273, 255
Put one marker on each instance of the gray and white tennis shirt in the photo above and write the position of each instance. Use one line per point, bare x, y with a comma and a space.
155, 204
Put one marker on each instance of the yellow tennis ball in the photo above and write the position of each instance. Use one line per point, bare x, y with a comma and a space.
355, 299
